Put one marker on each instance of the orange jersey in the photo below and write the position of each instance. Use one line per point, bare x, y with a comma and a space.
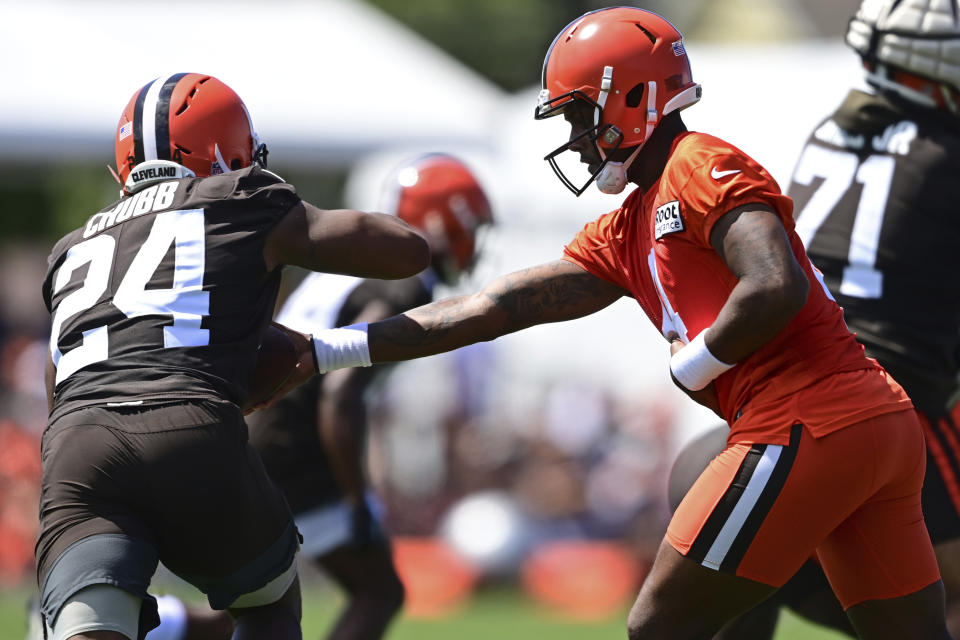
657, 246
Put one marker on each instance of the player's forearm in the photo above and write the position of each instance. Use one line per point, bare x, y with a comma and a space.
753, 315
438, 327
551, 292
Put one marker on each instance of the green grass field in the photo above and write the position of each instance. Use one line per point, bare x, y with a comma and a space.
500, 615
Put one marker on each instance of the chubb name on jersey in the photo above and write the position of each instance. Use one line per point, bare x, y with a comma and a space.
155, 198
668, 219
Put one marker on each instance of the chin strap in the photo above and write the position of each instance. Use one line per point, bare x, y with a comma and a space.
612, 178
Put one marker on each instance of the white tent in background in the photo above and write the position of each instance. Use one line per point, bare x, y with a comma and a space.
325, 80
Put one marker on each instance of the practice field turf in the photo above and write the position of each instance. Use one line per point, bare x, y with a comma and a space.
503, 615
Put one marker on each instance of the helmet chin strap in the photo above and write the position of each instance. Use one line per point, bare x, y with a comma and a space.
612, 178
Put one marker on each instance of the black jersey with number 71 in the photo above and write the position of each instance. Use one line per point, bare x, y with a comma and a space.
877, 202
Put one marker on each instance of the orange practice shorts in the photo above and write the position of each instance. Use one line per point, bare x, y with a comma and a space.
853, 496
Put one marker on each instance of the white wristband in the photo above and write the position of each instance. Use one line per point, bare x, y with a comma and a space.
694, 366
341, 348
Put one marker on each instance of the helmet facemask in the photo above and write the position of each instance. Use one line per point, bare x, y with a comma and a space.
608, 133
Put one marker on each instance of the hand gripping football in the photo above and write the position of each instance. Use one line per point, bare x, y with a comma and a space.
277, 360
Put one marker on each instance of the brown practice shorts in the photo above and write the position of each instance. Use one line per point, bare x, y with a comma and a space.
180, 479
759, 511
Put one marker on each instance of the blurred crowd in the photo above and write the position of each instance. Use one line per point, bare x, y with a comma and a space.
23, 406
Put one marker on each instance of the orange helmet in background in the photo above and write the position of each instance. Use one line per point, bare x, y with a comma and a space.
440, 196
630, 65
191, 119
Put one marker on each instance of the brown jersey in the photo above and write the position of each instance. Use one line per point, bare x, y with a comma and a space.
876, 195
163, 295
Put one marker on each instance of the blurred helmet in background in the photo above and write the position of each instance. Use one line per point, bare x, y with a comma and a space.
631, 66
187, 119
438, 195
911, 47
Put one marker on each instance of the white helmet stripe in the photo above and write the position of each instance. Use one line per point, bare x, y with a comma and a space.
150, 117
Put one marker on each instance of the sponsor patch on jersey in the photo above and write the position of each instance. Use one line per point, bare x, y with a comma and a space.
668, 220
126, 130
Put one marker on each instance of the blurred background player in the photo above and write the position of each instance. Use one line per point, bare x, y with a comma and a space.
158, 305
876, 192
313, 440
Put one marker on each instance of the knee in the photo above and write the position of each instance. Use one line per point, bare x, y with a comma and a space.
385, 593
640, 624
391, 594
647, 624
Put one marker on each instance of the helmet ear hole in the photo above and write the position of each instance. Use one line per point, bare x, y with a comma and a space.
235, 164
635, 96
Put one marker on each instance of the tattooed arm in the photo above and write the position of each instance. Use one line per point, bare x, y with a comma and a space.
551, 292
772, 286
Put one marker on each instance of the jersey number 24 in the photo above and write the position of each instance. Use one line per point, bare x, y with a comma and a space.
185, 301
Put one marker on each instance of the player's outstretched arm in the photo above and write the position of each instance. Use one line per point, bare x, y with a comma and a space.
551, 292
366, 245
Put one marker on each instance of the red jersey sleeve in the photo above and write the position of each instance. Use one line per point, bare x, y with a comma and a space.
594, 248
715, 179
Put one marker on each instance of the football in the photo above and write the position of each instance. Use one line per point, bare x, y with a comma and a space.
276, 360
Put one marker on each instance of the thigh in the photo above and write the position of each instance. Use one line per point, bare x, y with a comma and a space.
221, 522
757, 511
882, 550
91, 485
682, 599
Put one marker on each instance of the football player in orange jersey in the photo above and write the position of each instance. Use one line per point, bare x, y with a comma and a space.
825, 452
875, 204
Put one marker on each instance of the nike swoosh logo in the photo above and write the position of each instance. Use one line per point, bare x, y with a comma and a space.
716, 175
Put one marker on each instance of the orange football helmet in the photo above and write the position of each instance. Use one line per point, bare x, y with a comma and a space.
440, 196
630, 65
191, 119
